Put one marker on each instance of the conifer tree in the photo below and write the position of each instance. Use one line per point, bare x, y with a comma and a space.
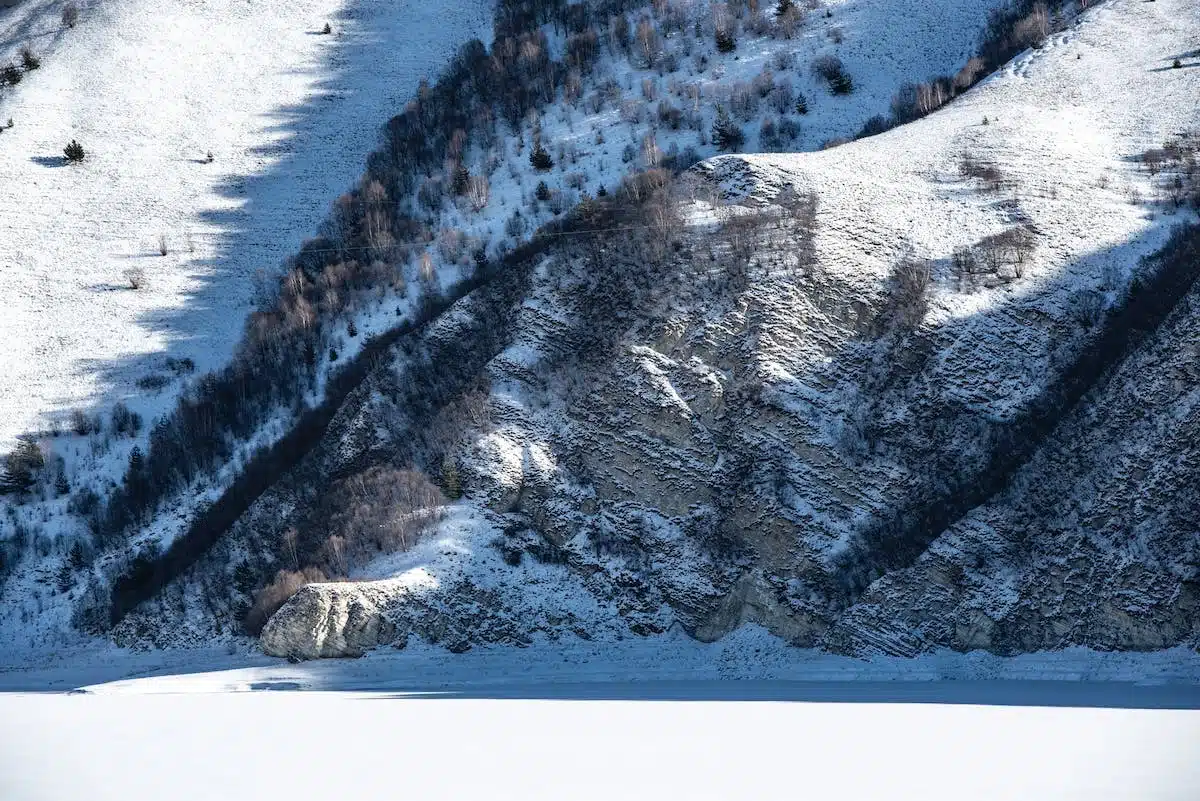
540, 159
726, 134
21, 467
459, 180
451, 485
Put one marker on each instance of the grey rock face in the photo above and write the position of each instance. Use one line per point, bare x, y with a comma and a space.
328, 620
751, 449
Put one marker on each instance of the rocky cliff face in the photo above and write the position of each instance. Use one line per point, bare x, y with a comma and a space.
712, 465
875, 399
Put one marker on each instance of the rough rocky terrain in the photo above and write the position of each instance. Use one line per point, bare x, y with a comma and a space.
923, 390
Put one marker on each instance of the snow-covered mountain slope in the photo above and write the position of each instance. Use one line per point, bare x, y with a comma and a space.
761, 402
595, 142
771, 425
150, 90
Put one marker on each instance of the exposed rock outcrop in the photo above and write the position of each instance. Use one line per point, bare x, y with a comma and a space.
749, 415
329, 620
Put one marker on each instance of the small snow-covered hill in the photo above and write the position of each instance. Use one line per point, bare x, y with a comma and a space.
219, 131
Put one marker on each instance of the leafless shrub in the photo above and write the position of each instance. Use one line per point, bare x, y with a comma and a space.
757, 23
125, 422
383, 509
478, 192
1176, 169
618, 32
827, 67
1087, 307
965, 269
993, 258
70, 15
273, 596
82, 425
650, 89
153, 382
782, 97
669, 116
787, 23
162, 246
831, 69
743, 101
135, 277
763, 83
909, 292
633, 111
966, 77
648, 44
971, 167
1031, 30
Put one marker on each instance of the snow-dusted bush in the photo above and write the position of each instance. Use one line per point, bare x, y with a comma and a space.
989, 174
70, 15
1087, 306
124, 421
74, 151
908, 293
874, 125
478, 192
831, 70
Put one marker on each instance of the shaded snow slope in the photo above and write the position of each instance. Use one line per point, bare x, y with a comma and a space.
150, 89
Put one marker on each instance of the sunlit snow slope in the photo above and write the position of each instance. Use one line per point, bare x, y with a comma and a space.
149, 89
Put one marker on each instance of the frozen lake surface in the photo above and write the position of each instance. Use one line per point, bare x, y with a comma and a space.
661, 720
603, 743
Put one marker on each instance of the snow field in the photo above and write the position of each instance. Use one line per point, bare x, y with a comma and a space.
370, 745
150, 89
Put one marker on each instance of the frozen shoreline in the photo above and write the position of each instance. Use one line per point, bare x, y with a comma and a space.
680, 666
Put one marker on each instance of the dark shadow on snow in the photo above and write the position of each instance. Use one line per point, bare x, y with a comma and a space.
1100, 695
206, 325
